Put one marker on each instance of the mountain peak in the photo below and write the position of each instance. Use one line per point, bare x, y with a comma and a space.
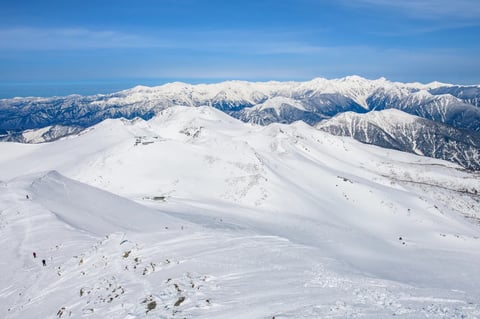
354, 78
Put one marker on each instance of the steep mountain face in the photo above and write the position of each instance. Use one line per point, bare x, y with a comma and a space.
444, 108
468, 94
277, 110
42, 135
401, 131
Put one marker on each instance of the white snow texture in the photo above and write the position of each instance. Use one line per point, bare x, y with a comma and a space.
194, 214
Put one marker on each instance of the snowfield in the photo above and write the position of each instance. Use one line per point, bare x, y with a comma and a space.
194, 214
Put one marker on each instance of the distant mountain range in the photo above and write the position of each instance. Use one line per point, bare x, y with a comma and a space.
438, 120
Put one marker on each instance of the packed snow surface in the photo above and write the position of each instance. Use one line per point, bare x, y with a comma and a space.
196, 215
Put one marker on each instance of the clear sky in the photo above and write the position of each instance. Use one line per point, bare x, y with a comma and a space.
79, 41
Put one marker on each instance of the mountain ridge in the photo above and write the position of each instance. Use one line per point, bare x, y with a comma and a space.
228, 96
261, 103
398, 130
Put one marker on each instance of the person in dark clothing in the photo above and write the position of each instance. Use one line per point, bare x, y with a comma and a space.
44, 262
34, 255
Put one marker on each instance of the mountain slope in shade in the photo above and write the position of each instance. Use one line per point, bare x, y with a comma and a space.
468, 94
444, 108
42, 135
401, 131
277, 110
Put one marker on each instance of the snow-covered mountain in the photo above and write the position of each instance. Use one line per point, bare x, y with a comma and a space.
41, 135
443, 108
194, 214
319, 98
256, 102
401, 131
277, 110
468, 94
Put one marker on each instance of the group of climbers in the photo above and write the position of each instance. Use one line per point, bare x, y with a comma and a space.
44, 262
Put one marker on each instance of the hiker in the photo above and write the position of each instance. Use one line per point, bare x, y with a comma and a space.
28, 197
44, 262
34, 255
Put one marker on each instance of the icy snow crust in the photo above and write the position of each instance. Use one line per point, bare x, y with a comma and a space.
196, 215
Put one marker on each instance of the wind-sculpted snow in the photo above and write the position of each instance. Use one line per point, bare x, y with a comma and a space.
65, 199
397, 130
194, 214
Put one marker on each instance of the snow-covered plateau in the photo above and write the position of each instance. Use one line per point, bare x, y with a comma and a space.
194, 214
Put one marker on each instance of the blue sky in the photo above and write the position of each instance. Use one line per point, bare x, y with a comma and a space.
72, 41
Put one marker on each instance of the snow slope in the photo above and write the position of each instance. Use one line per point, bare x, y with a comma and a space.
215, 218
401, 131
